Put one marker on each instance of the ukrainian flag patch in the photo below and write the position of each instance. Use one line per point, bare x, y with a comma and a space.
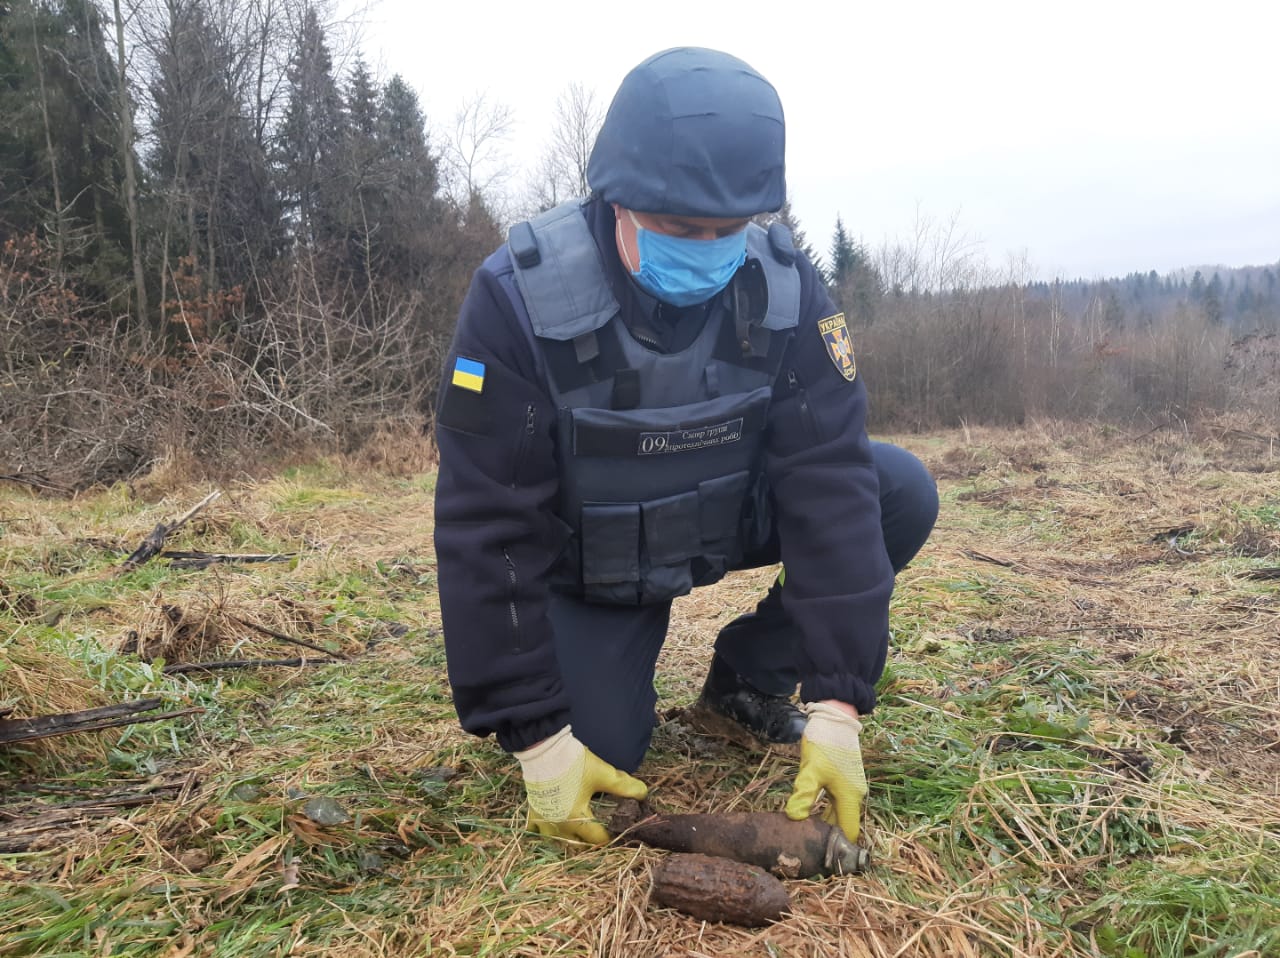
468, 374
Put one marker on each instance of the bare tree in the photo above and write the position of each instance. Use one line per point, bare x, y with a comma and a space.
561, 173
473, 158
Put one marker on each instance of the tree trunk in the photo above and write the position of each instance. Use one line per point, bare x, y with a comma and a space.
59, 238
130, 176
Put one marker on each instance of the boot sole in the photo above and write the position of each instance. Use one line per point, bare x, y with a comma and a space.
707, 721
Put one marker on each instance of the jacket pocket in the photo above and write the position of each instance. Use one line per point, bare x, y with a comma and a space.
524, 443
793, 425
513, 598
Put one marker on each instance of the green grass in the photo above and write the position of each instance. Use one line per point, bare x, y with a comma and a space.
1039, 783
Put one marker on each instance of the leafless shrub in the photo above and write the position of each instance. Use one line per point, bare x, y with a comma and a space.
956, 342
86, 402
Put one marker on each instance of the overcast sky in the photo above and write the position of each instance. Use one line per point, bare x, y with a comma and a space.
1090, 139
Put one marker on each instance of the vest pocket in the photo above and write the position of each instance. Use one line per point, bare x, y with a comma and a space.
671, 539
721, 504
611, 552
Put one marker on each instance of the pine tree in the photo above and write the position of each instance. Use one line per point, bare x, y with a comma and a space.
411, 182
60, 170
221, 209
1196, 291
311, 134
1213, 300
844, 254
856, 286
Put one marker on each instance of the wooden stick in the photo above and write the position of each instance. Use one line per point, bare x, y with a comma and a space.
182, 668
154, 541
249, 624
87, 720
19, 834
202, 560
983, 557
35, 482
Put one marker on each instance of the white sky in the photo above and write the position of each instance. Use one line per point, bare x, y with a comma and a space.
1091, 138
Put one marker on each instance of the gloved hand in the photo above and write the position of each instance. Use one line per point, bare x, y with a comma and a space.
830, 759
560, 776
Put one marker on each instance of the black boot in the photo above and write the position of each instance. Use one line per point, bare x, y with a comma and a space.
732, 708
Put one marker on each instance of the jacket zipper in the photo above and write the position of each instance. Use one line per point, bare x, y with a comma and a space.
513, 587
806, 414
526, 438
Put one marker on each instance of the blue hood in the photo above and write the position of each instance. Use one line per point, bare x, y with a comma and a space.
692, 132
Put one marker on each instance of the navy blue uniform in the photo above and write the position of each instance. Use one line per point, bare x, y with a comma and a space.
498, 537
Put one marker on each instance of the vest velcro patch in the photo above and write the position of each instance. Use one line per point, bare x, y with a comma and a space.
835, 336
688, 440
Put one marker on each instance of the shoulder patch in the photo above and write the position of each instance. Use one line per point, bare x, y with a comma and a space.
469, 374
835, 336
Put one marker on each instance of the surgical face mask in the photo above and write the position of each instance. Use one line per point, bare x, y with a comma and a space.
683, 271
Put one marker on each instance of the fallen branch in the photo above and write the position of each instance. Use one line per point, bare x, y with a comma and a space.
182, 668
1256, 437
31, 825
35, 482
86, 720
1151, 431
257, 627
202, 560
1272, 572
154, 541
983, 557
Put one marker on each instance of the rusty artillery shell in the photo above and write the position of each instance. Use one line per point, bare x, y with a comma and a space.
805, 849
717, 889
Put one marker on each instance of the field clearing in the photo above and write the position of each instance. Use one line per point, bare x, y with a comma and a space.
1077, 750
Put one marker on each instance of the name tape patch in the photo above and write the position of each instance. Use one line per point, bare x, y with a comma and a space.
687, 440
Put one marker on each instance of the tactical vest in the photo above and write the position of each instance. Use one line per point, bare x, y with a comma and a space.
660, 454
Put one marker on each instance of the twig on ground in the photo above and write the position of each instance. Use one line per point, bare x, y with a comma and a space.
88, 720
983, 557
257, 627
202, 560
35, 482
31, 825
184, 667
154, 541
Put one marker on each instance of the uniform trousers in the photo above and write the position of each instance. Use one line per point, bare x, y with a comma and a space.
608, 653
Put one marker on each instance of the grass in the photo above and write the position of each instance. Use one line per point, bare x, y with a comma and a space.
1074, 752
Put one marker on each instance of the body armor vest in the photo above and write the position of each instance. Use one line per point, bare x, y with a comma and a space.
660, 454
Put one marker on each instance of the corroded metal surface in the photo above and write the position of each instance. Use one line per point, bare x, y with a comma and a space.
790, 849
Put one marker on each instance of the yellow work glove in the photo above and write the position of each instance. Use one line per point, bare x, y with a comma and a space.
830, 760
560, 776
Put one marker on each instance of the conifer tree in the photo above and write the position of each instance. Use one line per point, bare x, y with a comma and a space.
855, 283
60, 170
311, 134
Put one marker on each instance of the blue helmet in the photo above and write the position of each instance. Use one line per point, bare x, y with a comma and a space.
692, 132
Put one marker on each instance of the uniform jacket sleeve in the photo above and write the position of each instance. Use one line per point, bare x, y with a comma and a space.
496, 536
838, 577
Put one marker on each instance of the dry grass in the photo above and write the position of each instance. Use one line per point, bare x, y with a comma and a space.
1076, 751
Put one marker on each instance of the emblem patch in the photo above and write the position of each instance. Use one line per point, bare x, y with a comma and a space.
835, 334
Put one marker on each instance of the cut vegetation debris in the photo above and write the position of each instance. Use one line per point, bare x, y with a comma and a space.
1076, 751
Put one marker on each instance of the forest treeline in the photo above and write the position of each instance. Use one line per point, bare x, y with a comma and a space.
214, 238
